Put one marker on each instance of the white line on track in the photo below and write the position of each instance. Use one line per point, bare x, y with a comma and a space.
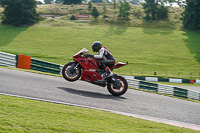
165, 121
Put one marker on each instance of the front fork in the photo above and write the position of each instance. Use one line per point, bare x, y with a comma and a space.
73, 67
115, 82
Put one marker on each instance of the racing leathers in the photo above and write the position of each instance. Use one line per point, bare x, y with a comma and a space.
106, 60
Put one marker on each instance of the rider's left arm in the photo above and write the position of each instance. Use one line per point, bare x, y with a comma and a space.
100, 56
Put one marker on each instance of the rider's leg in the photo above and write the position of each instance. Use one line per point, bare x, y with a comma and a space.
107, 69
103, 65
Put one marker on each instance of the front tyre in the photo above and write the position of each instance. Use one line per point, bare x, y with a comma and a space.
70, 75
118, 91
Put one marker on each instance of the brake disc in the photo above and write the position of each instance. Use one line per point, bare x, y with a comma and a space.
117, 84
71, 74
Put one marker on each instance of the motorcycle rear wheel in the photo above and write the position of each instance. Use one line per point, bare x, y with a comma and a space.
120, 91
71, 76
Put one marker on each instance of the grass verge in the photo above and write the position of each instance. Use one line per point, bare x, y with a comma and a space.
165, 95
169, 52
23, 115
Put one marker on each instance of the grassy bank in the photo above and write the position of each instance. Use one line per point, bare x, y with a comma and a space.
22, 115
136, 15
169, 52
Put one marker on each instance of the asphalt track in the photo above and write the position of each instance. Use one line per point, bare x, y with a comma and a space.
134, 103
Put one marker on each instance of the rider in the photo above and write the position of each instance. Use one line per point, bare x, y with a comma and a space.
105, 58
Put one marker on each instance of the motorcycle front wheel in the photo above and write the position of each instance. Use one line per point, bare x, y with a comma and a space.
70, 75
118, 91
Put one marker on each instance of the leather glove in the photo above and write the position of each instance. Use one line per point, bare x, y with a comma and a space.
88, 55
91, 55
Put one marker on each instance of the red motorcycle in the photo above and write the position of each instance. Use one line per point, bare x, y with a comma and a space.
88, 69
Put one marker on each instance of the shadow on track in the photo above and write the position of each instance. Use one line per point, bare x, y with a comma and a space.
91, 94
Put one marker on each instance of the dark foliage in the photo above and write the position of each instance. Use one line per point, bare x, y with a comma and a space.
162, 12
19, 12
124, 10
97, 1
155, 10
95, 12
73, 17
90, 6
58, 1
48, 1
69, 2
191, 15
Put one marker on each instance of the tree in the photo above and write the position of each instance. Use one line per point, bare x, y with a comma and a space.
155, 9
58, 1
162, 12
150, 9
181, 3
114, 7
136, 2
68, 2
19, 12
95, 12
39, 2
97, 1
191, 15
104, 6
124, 10
90, 6
48, 1
73, 17
138, 12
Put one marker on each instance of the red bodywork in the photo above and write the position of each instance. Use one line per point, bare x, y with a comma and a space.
90, 67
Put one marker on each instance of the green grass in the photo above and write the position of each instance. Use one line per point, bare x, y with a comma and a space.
169, 52
136, 20
175, 53
23, 115
172, 53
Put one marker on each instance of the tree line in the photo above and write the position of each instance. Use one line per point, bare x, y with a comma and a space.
23, 12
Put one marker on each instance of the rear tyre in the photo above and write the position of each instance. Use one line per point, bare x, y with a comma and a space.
120, 91
71, 75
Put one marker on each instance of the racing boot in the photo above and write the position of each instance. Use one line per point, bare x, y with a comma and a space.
109, 72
